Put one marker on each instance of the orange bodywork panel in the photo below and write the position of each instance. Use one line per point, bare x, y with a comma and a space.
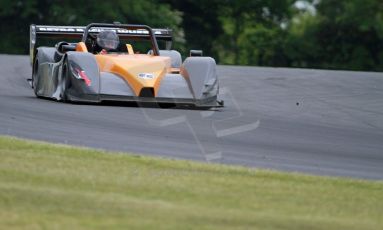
81, 47
139, 70
129, 48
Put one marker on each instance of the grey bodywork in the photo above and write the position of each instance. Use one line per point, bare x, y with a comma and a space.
53, 77
199, 88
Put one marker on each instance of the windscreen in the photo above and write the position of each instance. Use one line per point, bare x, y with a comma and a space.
140, 46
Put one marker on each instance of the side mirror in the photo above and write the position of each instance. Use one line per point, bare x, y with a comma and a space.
196, 53
63, 47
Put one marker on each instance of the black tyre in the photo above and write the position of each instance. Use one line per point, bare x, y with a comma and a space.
65, 83
35, 76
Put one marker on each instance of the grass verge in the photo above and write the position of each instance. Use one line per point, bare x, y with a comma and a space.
46, 186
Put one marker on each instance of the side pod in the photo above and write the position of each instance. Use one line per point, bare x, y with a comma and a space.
82, 65
201, 74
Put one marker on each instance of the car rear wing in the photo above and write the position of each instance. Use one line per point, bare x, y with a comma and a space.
76, 32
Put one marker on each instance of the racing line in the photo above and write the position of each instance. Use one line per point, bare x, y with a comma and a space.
312, 121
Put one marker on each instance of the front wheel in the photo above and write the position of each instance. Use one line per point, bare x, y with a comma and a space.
35, 76
64, 82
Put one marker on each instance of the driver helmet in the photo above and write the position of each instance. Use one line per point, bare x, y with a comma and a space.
108, 40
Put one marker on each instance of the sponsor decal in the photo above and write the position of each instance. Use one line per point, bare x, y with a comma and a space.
92, 30
60, 29
146, 75
74, 29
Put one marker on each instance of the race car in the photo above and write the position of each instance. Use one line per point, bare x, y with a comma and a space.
119, 62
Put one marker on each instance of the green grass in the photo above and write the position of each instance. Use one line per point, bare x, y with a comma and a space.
45, 186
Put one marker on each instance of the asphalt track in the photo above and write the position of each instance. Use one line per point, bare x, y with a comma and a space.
311, 121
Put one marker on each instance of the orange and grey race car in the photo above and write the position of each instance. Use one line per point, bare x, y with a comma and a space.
119, 62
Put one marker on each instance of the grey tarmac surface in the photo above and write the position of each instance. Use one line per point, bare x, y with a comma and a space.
311, 121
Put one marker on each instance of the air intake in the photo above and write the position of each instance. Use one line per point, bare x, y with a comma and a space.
147, 92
